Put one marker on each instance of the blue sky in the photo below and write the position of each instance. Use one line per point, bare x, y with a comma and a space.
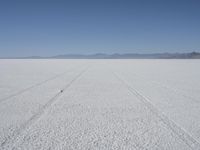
51, 27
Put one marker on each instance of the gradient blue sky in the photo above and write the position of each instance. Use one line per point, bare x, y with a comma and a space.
51, 27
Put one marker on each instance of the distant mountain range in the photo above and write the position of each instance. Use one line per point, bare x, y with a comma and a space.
192, 55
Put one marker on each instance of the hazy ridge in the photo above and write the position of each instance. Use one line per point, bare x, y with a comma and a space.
191, 55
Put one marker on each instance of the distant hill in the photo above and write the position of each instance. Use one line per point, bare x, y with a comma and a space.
192, 55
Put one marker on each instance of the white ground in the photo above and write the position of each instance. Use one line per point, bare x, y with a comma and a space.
100, 104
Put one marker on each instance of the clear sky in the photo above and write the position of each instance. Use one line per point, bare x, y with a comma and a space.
51, 27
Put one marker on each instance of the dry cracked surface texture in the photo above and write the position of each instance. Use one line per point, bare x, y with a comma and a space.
100, 104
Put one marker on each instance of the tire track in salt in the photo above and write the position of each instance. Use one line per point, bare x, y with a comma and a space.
10, 141
174, 90
181, 133
35, 85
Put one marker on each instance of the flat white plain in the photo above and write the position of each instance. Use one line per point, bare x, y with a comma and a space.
99, 104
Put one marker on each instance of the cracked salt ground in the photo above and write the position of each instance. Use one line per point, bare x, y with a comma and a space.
101, 109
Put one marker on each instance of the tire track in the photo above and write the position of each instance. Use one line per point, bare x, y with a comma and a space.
174, 90
35, 85
181, 133
10, 141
